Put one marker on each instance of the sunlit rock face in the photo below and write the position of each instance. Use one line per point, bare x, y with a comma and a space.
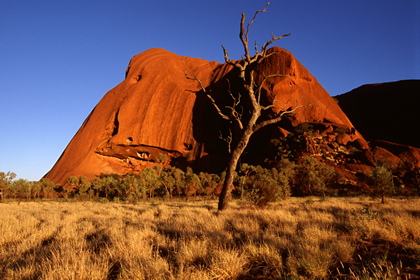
158, 116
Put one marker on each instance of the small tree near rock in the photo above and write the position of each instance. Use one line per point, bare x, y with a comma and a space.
382, 181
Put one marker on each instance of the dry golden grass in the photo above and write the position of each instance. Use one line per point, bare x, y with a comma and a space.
301, 238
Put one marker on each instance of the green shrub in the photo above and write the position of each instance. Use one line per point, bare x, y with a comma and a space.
6, 182
382, 181
313, 177
209, 183
261, 186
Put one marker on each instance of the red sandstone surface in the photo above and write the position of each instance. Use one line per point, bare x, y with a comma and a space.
157, 115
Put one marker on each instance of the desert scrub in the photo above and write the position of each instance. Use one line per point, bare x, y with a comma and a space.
336, 238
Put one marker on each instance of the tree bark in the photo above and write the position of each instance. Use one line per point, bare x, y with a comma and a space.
233, 162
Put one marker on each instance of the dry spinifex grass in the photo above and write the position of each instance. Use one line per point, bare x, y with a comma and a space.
294, 239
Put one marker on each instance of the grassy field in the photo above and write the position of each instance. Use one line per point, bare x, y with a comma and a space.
301, 238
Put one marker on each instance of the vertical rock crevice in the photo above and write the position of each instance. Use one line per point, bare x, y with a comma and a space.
116, 124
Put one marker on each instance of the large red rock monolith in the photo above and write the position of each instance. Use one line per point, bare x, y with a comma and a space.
157, 115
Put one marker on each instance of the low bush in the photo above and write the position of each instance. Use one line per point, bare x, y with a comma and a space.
261, 185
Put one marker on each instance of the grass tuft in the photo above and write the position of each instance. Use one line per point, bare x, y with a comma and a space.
337, 238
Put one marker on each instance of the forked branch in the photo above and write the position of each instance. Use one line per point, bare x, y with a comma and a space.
234, 114
212, 101
228, 140
273, 39
244, 36
277, 119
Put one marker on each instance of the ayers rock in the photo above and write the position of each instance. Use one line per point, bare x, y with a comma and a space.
156, 115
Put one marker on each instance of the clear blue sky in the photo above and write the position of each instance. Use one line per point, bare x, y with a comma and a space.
59, 57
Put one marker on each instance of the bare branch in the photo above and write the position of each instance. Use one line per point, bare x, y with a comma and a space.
255, 16
236, 101
273, 39
228, 140
230, 62
269, 106
263, 82
234, 114
213, 102
243, 35
196, 79
226, 54
278, 118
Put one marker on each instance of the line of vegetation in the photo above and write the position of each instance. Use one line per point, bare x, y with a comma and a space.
255, 184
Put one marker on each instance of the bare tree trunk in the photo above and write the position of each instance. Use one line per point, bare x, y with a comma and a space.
233, 162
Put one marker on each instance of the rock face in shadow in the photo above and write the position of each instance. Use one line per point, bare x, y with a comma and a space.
388, 111
158, 116
387, 115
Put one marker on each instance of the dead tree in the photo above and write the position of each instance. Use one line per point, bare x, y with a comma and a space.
251, 93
